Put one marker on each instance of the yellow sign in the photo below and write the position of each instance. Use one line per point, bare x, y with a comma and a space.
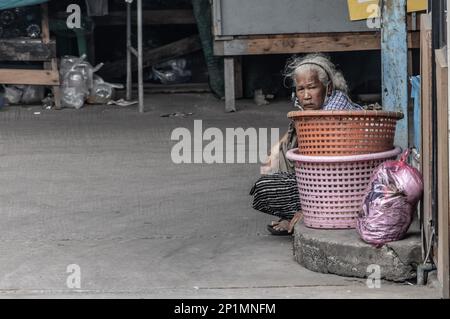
364, 9
417, 5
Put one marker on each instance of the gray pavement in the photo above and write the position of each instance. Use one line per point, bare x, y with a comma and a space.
96, 187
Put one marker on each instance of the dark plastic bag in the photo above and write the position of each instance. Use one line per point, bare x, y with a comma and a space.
388, 206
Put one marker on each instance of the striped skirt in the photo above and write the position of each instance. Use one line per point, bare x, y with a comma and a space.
277, 195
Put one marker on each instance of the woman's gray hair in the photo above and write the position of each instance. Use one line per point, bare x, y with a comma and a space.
320, 63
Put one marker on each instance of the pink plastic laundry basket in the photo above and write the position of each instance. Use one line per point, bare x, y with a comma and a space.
331, 188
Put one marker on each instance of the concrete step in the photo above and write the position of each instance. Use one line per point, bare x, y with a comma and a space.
343, 253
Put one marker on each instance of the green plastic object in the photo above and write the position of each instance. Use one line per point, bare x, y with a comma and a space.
59, 27
202, 13
8, 4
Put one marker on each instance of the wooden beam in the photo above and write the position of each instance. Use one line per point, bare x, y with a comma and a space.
31, 77
45, 25
238, 78
176, 88
149, 17
394, 64
53, 67
51, 72
154, 56
413, 21
426, 66
305, 43
26, 50
443, 176
230, 94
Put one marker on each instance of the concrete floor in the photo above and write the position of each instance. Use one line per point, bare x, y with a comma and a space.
96, 187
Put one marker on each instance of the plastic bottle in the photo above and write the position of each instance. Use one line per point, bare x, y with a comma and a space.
7, 17
33, 31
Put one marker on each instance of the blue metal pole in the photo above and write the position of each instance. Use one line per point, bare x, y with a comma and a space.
394, 60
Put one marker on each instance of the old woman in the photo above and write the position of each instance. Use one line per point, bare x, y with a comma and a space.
318, 86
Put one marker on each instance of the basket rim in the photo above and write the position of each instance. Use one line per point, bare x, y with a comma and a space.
397, 115
294, 156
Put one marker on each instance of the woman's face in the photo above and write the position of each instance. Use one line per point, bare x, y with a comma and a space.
310, 91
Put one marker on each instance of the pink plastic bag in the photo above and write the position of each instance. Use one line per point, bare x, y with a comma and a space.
388, 206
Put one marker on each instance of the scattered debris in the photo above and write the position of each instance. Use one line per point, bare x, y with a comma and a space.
13, 94
373, 107
80, 84
23, 94
48, 103
76, 75
260, 98
122, 102
177, 114
171, 72
33, 94
102, 92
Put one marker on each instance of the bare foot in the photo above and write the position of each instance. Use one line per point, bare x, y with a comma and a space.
297, 217
281, 225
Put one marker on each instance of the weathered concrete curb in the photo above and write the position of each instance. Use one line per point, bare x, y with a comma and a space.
343, 253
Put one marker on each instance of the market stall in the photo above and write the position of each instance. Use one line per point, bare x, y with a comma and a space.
36, 47
39, 47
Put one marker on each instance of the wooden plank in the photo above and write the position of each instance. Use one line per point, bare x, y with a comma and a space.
32, 50
154, 56
149, 17
443, 176
426, 66
53, 66
45, 27
394, 60
176, 88
238, 78
26, 50
217, 18
413, 22
57, 96
32, 77
230, 103
306, 43
411, 130
219, 47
